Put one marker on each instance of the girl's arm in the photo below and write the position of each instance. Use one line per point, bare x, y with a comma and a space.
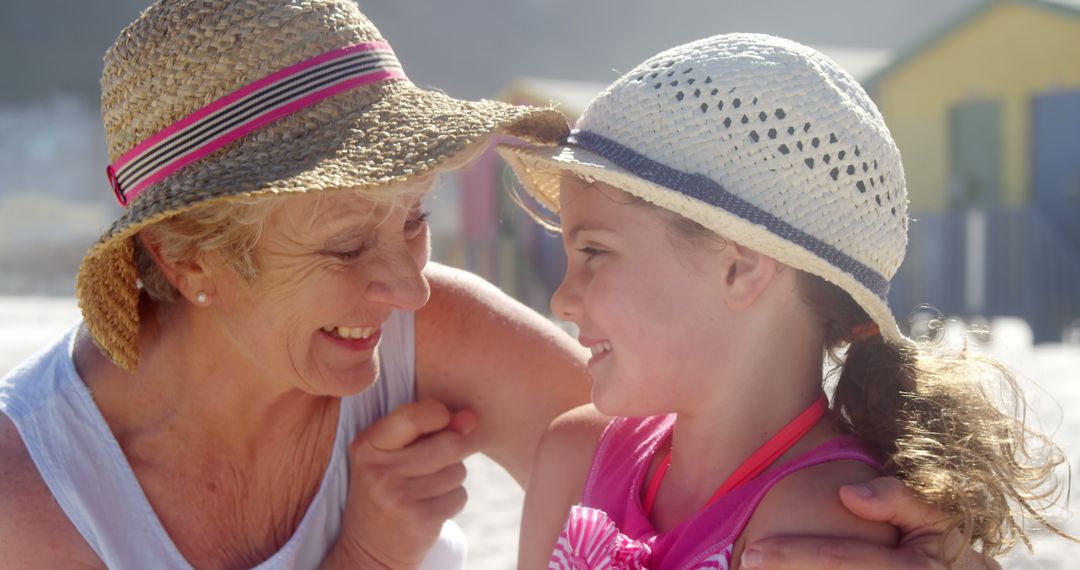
806, 502
558, 478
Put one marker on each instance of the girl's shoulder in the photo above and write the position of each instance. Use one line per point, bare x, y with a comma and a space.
560, 470
583, 444
571, 441
587, 443
807, 502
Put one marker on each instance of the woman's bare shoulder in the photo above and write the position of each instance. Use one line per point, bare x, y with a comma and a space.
34, 532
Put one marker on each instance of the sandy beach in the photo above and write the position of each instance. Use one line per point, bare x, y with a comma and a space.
490, 521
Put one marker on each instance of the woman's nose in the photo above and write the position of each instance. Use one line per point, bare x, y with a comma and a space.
399, 282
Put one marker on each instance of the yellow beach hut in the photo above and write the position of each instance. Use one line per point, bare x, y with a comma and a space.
986, 113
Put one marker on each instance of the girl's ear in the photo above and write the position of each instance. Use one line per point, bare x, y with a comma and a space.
189, 276
749, 273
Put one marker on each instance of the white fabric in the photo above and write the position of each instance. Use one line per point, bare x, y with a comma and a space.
91, 480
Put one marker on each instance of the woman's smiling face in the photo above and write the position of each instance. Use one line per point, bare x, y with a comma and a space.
645, 301
331, 268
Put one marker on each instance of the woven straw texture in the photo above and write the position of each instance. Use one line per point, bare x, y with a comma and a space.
179, 56
798, 160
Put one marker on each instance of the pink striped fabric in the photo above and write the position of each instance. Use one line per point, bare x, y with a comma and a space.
591, 540
720, 561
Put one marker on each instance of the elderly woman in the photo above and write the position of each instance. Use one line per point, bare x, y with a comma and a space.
269, 373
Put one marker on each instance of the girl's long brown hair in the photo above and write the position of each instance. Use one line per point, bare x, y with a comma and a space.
952, 426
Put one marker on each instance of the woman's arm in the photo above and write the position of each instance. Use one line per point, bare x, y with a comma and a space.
34, 532
479, 349
922, 530
491, 375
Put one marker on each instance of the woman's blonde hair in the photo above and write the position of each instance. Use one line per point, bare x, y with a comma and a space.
232, 229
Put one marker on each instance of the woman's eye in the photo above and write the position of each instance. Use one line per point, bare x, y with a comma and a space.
346, 252
415, 224
348, 255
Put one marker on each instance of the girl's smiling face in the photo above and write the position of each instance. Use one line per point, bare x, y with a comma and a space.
331, 268
646, 300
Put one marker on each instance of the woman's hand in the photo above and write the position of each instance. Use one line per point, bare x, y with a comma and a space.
406, 481
884, 499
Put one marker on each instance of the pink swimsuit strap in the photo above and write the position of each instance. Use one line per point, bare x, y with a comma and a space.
760, 460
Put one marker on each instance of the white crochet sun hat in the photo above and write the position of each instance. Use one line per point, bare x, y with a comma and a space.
759, 139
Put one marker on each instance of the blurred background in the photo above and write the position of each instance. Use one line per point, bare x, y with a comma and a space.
982, 96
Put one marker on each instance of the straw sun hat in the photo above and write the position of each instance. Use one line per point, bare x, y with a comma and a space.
209, 100
759, 139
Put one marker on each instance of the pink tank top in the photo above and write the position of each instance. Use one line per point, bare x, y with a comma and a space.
610, 529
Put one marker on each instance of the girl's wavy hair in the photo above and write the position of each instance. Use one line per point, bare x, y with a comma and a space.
951, 424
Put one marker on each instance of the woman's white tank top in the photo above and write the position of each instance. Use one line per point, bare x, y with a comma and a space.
91, 480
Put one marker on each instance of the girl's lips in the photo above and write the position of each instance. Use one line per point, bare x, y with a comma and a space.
598, 357
596, 347
354, 344
599, 348
588, 341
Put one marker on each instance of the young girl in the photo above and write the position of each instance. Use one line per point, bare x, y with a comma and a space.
732, 211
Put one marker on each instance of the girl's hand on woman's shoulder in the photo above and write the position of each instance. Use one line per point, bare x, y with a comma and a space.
882, 500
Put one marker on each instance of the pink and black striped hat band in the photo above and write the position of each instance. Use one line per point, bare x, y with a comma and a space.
247, 109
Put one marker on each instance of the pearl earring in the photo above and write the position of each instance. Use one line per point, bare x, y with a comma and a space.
201, 297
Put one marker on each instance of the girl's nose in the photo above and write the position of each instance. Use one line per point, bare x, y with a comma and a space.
566, 301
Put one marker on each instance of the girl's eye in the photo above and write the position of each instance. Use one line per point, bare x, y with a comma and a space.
590, 252
415, 224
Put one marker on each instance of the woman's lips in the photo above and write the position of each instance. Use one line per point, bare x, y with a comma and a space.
354, 344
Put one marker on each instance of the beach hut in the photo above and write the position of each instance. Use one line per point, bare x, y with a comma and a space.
986, 113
